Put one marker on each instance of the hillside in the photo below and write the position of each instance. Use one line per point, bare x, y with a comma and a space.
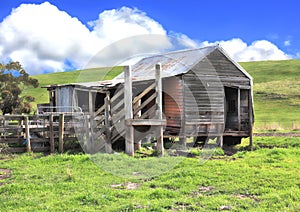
97, 74
276, 92
276, 89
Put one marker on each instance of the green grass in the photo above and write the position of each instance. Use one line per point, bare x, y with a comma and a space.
262, 180
276, 92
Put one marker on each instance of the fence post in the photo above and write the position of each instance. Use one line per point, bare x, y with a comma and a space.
51, 132
61, 133
27, 132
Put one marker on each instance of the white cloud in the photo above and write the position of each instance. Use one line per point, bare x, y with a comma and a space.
43, 38
287, 43
256, 51
125, 22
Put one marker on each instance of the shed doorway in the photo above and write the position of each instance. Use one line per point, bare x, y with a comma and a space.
231, 109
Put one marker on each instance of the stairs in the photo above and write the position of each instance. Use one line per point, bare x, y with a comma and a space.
109, 119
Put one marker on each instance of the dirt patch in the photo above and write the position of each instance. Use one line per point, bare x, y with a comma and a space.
204, 189
225, 207
246, 196
127, 186
4, 173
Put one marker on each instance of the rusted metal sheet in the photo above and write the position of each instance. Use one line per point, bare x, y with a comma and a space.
173, 101
173, 63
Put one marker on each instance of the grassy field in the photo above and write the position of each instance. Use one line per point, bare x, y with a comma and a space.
276, 90
266, 179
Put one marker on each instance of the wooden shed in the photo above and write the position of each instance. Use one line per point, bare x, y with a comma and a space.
204, 93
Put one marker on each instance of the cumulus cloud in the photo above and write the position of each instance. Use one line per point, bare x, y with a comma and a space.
257, 51
44, 38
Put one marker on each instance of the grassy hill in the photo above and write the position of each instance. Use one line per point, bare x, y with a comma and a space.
276, 89
89, 75
276, 92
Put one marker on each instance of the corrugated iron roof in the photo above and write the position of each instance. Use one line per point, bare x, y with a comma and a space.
173, 63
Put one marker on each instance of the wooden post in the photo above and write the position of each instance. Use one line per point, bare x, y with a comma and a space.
87, 134
51, 133
108, 145
160, 137
91, 105
182, 139
61, 133
129, 135
27, 132
250, 119
220, 141
239, 109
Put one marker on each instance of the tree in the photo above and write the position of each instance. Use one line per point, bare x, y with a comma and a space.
13, 78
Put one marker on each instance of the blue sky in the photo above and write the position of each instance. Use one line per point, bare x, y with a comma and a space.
258, 27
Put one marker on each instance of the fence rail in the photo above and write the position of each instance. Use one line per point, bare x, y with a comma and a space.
42, 133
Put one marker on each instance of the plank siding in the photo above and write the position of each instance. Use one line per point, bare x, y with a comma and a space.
204, 99
218, 65
64, 98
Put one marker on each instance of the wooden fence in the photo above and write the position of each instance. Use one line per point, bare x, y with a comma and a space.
52, 132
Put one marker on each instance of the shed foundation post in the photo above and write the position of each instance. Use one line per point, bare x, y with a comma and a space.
160, 136
108, 145
220, 141
129, 130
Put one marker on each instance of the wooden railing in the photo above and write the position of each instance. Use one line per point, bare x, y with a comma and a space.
43, 133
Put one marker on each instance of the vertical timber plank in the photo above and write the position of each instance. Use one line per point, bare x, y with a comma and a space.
220, 141
51, 133
160, 137
129, 136
182, 139
91, 110
250, 118
61, 133
87, 134
108, 145
239, 108
27, 132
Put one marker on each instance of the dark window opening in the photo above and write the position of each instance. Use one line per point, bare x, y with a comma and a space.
232, 106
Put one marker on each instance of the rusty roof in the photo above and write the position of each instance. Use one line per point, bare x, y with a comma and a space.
173, 63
